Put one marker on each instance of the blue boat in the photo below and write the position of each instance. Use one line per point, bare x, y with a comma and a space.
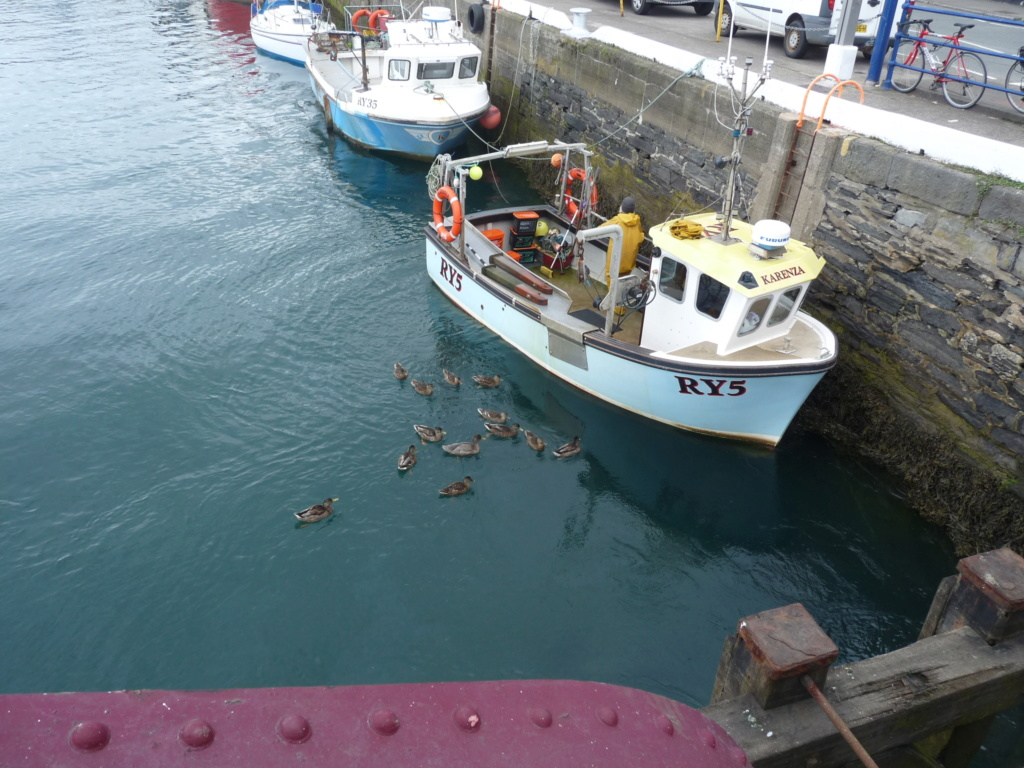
280, 28
390, 83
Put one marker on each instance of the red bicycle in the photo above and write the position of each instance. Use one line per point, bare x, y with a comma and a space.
962, 74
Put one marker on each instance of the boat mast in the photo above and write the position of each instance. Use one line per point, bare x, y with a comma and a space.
739, 132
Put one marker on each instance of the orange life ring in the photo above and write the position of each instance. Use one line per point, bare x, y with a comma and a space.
447, 193
358, 16
578, 174
379, 16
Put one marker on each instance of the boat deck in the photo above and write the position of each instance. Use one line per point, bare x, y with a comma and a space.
802, 342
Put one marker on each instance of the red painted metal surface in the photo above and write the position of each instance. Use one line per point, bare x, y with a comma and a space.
549, 723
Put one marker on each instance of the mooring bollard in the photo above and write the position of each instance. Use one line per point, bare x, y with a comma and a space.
769, 655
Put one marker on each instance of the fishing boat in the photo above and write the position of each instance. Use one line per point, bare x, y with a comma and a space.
280, 28
707, 334
397, 84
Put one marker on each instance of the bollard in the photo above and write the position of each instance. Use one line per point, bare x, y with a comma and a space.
579, 23
769, 655
987, 596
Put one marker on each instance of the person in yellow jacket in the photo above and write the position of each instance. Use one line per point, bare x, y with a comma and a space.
632, 236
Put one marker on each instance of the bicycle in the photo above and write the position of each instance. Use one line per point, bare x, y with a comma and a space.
954, 74
1015, 83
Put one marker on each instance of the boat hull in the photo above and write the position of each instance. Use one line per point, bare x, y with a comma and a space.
281, 31
741, 401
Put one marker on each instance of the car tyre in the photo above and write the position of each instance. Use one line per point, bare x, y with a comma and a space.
703, 9
727, 20
795, 39
640, 7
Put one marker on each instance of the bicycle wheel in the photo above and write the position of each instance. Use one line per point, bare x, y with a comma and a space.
1015, 84
966, 66
909, 55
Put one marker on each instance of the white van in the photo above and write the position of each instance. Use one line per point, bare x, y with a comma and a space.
801, 23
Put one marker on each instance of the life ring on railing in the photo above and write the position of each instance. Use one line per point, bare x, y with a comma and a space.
447, 193
358, 16
377, 17
578, 174
476, 18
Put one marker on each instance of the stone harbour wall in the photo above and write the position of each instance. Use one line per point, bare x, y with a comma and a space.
924, 284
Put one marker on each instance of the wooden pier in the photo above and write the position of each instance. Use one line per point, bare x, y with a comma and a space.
928, 704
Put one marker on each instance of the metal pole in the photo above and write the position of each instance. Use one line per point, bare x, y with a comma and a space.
837, 721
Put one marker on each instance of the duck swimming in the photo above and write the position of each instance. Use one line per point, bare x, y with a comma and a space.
502, 430
316, 512
451, 378
458, 487
422, 387
464, 449
498, 417
428, 434
488, 381
408, 459
534, 441
569, 449
401, 372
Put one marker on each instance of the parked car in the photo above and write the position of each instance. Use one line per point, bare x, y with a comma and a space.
700, 7
800, 23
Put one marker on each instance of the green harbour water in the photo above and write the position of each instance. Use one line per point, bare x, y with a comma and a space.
203, 298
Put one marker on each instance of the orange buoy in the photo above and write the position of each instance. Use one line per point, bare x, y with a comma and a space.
378, 18
358, 16
491, 119
447, 193
578, 174
556, 160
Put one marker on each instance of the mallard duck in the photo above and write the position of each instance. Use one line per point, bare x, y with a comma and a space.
534, 441
488, 381
464, 449
422, 387
316, 512
498, 417
407, 459
569, 449
458, 487
502, 430
451, 378
428, 434
401, 372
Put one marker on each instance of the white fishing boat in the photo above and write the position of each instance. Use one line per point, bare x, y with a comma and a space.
280, 28
708, 335
398, 84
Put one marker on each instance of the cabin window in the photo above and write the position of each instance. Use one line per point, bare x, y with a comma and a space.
755, 315
467, 67
399, 69
711, 296
435, 70
672, 281
786, 306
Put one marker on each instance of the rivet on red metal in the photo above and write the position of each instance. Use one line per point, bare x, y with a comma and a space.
90, 737
665, 724
467, 719
608, 716
384, 722
737, 756
709, 739
196, 734
541, 717
294, 729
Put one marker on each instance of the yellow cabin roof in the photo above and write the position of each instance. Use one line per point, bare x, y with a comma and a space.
793, 264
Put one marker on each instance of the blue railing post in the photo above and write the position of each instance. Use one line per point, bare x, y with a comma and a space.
882, 41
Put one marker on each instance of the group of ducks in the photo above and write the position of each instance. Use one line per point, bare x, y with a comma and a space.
495, 423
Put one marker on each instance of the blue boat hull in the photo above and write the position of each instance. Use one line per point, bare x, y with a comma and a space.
407, 138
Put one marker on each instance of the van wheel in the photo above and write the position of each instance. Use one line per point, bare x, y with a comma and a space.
795, 41
703, 9
640, 7
727, 21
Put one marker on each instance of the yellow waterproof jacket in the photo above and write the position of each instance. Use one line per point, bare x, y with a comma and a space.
632, 236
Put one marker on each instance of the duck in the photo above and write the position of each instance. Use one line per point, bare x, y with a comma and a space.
464, 449
458, 487
502, 430
569, 449
451, 378
428, 434
498, 417
488, 381
408, 459
534, 441
316, 512
401, 372
422, 387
